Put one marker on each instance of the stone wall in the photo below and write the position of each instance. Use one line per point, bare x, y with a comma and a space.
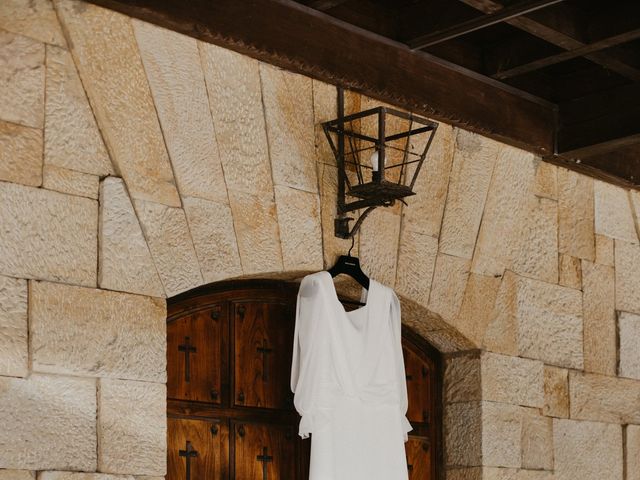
136, 163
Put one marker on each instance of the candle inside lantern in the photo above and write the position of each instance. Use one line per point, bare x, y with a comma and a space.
375, 160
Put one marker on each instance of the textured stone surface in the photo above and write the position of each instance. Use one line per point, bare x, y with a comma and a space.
604, 250
501, 334
73, 140
473, 164
501, 434
629, 328
71, 182
20, 154
171, 246
604, 399
518, 381
537, 441
416, 263
575, 215
17, 475
462, 379
504, 215
32, 18
132, 427
477, 307
288, 106
257, 232
14, 357
81, 476
463, 434
214, 238
598, 302
379, 237
21, 80
125, 260
84, 331
587, 450
570, 272
556, 392
546, 180
300, 230
613, 212
627, 258
632, 447
48, 235
121, 100
449, 282
173, 67
51, 423
233, 83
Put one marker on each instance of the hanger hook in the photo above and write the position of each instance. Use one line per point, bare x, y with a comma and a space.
353, 241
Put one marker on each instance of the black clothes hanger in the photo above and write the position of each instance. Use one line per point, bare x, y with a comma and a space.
349, 265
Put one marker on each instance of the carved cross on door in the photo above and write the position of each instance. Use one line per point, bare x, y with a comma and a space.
188, 453
188, 349
264, 350
264, 458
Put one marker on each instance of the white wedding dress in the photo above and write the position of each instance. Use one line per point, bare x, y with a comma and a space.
349, 382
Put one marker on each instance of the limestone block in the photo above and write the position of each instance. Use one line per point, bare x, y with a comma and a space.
587, 450
48, 235
214, 238
71, 182
257, 232
629, 327
556, 392
72, 138
121, 100
506, 213
416, 263
570, 271
233, 84
21, 80
14, 356
425, 209
501, 334
462, 379
604, 250
20, 154
17, 475
463, 434
477, 307
288, 108
575, 215
132, 422
125, 260
300, 229
447, 340
513, 380
51, 423
537, 254
613, 212
173, 67
379, 238
449, 283
627, 258
546, 180
473, 473
84, 331
501, 434
171, 246
32, 18
632, 445
604, 399
537, 441
473, 164
325, 108
598, 302
81, 476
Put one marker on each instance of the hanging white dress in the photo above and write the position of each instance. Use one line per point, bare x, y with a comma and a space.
349, 382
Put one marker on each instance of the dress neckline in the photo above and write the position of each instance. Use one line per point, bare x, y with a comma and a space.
335, 295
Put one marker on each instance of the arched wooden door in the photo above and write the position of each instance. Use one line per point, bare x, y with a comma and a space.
230, 408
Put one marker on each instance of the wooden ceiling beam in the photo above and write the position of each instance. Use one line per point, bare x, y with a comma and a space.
300, 39
323, 5
502, 15
561, 35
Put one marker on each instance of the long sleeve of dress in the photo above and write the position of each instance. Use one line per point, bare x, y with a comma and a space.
399, 364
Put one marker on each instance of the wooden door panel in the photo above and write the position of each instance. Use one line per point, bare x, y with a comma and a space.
203, 443
418, 387
195, 355
264, 451
418, 458
263, 334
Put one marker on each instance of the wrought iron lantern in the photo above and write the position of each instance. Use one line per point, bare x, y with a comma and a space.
379, 153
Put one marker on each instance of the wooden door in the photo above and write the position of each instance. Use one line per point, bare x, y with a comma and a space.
418, 386
264, 452
419, 461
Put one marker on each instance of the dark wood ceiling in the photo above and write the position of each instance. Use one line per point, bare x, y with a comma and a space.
561, 78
